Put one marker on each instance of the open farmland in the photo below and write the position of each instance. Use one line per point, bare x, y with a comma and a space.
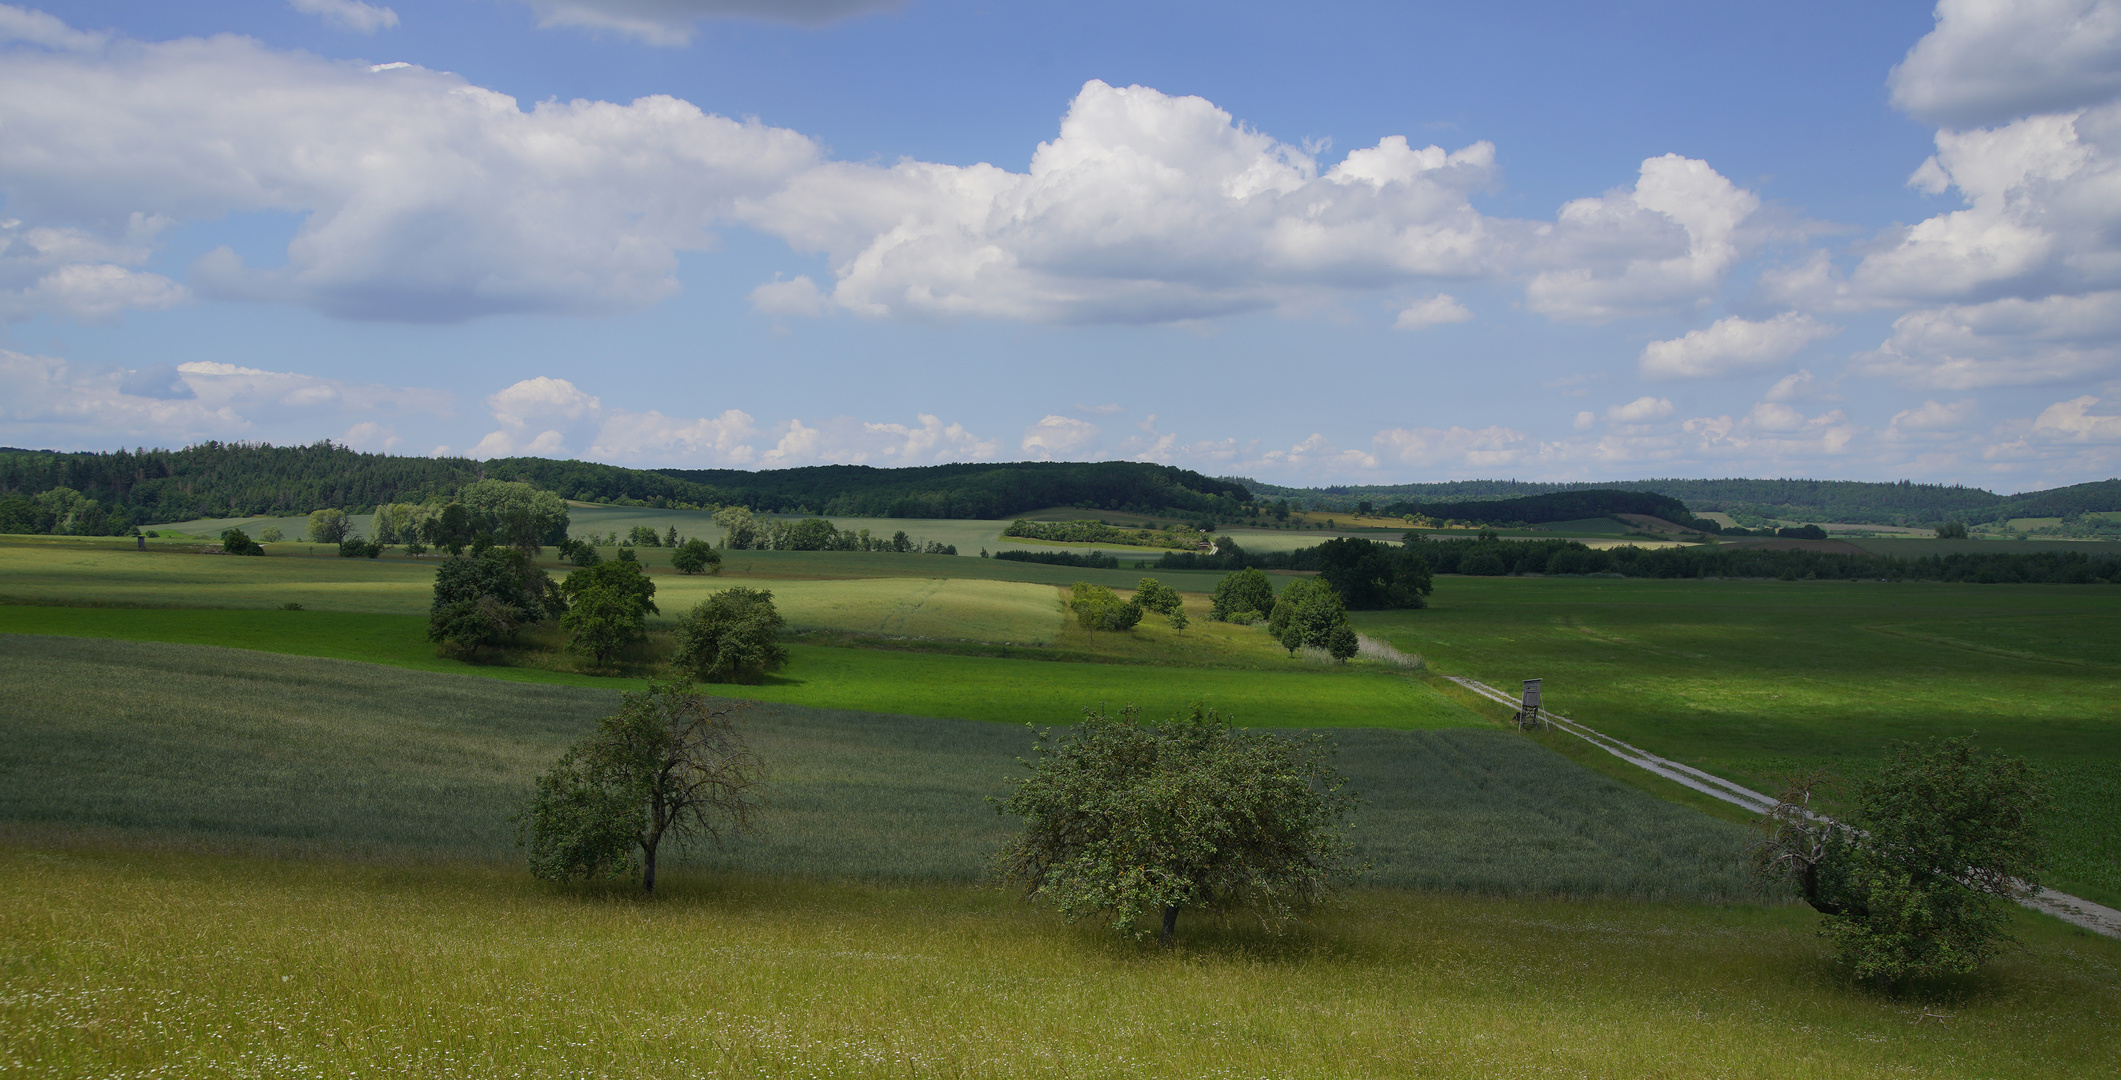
241, 748
1753, 680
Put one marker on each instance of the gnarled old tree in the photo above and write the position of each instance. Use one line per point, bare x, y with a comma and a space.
666, 766
1916, 880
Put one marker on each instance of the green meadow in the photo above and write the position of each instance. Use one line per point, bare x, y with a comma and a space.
238, 839
1755, 680
157, 963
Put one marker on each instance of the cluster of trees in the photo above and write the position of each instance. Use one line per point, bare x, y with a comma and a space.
1098, 532
1916, 880
1099, 608
61, 511
744, 531
1309, 613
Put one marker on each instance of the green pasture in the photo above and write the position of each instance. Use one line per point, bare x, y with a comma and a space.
147, 963
256, 751
988, 688
1754, 680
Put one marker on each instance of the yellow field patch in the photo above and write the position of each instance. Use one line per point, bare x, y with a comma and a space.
995, 611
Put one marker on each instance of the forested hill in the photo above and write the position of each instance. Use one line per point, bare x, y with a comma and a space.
1854, 501
214, 479
1554, 506
976, 490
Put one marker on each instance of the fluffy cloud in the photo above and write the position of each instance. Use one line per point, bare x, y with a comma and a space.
38, 28
1732, 346
672, 22
49, 401
78, 275
2001, 343
548, 417
2074, 421
350, 15
1771, 433
1058, 436
1991, 60
1485, 448
1435, 311
797, 296
1666, 244
1932, 419
1642, 410
424, 198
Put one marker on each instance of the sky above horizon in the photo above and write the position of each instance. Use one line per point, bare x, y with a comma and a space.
1346, 243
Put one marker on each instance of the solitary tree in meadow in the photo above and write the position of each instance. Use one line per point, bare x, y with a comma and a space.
1242, 596
1125, 820
732, 636
1918, 878
328, 526
666, 766
696, 556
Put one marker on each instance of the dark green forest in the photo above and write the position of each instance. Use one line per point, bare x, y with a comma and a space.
1750, 501
1555, 506
217, 479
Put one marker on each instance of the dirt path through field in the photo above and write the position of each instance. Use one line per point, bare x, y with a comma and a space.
2097, 918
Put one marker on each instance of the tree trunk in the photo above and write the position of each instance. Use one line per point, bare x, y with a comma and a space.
648, 861
1170, 926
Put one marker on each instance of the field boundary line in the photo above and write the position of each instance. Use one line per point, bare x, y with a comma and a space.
2075, 910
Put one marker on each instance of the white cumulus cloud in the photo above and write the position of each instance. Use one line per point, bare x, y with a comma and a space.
1667, 243
1058, 436
1435, 311
1990, 61
673, 22
352, 15
797, 296
1732, 346
1642, 410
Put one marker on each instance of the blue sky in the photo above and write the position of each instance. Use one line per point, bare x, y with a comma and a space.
1336, 243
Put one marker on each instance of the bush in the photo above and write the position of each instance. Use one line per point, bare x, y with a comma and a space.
696, 556
603, 619
238, 542
1241, 592
1099, 608
732, 636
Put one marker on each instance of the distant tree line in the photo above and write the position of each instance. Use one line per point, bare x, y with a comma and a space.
1091, 560
1494, 557
973, 490
216, 479
744, 531
1555, 506
1097, 532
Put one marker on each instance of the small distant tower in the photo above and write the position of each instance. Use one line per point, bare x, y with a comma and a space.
1528, 716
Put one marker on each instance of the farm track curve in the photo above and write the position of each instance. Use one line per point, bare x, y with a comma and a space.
2077, 911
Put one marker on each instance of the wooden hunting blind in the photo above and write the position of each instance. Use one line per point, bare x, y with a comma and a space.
1528, 714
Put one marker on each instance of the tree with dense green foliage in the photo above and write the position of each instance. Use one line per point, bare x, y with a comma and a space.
621, 575
1952, 530
732, 636
1369, 575
579, 552
328, 526
1125, 820
354, 547
449, 529
644, 536
602, 619
1154, 595
481, 599
666, 766
1308, 613
696, 556
238, 542
514, 513
1243, 596
740, 529
271, 534
1099, 608
1917, 879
